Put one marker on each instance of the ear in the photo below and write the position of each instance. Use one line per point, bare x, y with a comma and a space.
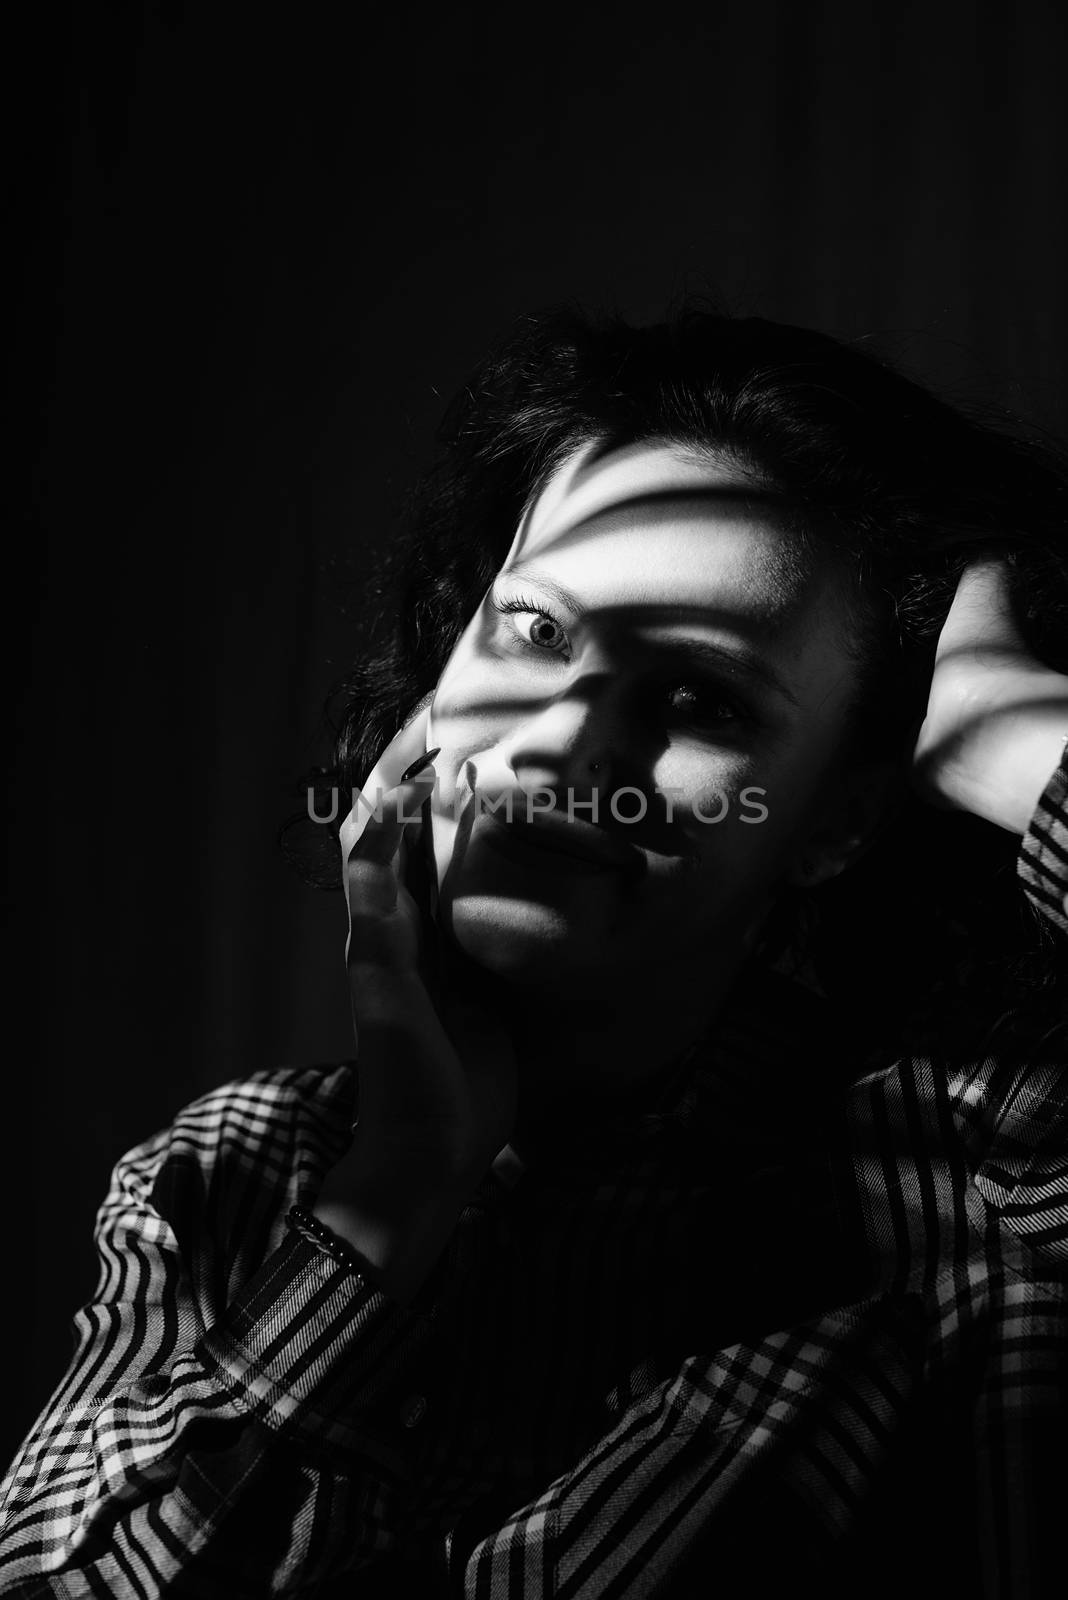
844, 822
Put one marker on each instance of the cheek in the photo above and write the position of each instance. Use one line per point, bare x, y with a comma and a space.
464, 721
703, 781
469, 682
467, 718
475, 703
740, 811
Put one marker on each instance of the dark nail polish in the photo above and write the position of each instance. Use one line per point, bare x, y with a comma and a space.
417, 766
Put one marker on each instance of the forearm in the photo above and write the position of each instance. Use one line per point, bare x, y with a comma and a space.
188, 1463
163, 1490
225, 1383
1009, 760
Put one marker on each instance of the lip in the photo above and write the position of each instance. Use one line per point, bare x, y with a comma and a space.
548, 834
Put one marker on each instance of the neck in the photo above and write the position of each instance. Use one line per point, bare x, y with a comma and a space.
603, 1043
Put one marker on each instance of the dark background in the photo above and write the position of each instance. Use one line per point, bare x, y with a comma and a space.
262, 251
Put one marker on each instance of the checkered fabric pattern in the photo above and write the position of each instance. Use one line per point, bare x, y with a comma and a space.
784, 1329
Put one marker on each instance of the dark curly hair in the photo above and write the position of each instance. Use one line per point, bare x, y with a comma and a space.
930, 930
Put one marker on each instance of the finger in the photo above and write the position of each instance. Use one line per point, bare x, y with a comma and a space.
415, 870
404, 748
407, 744
372, 865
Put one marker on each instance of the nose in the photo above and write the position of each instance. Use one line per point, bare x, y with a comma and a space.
572, 741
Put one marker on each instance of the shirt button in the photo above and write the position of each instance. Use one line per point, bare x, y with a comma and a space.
413, 1410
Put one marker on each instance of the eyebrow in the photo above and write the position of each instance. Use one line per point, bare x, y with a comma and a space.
704, 650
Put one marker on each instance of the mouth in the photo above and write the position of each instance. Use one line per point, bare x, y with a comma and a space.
554, 841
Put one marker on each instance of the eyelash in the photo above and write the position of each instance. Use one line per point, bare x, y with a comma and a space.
523, 605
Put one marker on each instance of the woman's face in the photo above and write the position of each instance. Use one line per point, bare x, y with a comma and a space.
656, 647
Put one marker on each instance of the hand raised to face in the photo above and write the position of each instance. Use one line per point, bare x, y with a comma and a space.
436, 1081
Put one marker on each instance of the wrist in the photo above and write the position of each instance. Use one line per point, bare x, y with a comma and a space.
400, 1257
401, 1175
396, 1218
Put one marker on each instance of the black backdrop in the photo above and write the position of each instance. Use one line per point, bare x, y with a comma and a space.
265, 249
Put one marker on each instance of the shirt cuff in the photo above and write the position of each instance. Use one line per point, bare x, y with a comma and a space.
1042, 864
318, 1353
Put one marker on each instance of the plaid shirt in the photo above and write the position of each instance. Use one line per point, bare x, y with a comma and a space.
760, 1337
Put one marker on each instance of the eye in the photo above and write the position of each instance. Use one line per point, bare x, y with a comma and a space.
701, 705
544, 632
535, 627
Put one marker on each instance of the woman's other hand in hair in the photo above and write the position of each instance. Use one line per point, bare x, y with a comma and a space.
997, 717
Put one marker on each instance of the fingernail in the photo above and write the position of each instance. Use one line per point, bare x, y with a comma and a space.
417, 766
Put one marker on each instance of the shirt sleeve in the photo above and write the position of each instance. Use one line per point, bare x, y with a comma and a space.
233, 1421
1012, 1111
1042, 864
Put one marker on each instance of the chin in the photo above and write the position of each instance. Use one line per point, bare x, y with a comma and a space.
518, 939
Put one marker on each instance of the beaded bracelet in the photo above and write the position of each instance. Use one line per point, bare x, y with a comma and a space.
328, 1241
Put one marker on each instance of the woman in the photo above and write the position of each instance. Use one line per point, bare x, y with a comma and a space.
704, 1216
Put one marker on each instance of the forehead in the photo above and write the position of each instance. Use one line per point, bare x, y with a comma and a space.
653, 523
